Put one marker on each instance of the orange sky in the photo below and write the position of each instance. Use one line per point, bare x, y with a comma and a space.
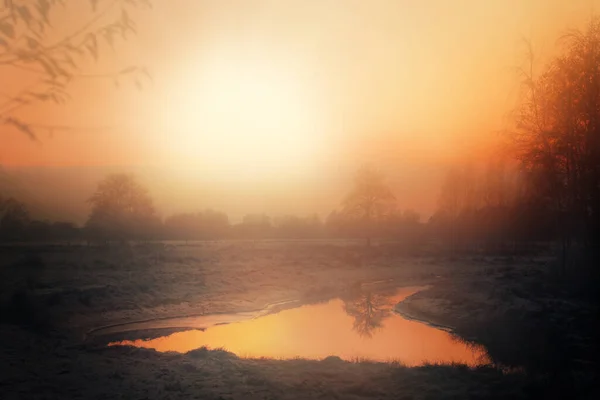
268, 90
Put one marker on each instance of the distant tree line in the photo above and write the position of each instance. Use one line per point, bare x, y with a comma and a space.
478, 211
123, 210
16, 224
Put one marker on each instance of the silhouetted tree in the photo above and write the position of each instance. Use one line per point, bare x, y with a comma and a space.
30, 45
121, 209
557, 136
369, 201
14, 219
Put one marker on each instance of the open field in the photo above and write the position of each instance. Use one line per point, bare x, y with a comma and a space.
53, 296
95, 286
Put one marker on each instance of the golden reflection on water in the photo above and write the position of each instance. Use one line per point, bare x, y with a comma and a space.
360, 325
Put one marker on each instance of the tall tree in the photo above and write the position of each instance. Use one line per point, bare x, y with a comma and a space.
557, 135
370, 200
52, 59
122, 209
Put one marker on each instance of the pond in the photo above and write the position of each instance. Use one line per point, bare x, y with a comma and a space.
361, 324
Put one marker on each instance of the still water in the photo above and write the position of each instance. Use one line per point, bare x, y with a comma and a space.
359, 325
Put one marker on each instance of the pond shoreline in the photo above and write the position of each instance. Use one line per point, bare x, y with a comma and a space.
100, 334
360, 324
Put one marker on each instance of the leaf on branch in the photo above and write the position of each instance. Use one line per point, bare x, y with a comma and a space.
92, 45
63, 97
58, 68
48, 68
32, 42
50, 82
41, 96
69, 60
22, 127
74, 49
147, 73
25, 14
43, 7
128, 70
20, 100
126, 24
7, 29
108, 36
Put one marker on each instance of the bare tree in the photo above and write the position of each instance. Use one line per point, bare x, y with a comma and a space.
370, 200
29, 45
557, 135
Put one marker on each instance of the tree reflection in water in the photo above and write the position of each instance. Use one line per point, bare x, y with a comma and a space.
369, 310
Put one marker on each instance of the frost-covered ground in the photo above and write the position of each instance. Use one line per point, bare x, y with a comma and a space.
52, 296
87, 287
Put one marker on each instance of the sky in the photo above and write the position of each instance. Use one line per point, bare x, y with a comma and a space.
260, 106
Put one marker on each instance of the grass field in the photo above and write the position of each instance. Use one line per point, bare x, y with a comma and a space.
53, 296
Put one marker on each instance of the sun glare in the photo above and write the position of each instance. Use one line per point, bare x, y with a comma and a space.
243, 117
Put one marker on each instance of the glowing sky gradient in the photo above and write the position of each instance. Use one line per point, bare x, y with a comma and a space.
272, 91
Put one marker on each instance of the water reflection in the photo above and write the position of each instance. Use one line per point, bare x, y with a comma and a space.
360, 325
368, 309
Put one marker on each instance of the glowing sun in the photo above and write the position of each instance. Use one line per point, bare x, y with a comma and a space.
242, 117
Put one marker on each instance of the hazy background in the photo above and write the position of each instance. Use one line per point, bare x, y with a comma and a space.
270, 106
